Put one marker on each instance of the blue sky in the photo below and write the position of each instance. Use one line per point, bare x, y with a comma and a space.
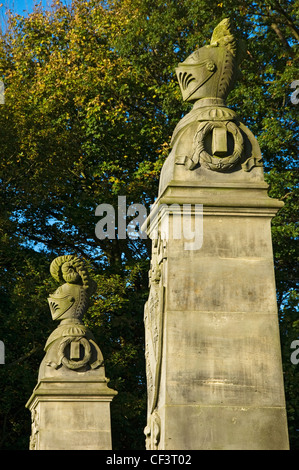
23, 6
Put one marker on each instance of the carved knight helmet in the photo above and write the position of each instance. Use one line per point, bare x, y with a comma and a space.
70, 300
211, 71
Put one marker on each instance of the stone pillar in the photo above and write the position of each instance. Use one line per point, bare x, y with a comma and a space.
213, 355
71, 415
70, 406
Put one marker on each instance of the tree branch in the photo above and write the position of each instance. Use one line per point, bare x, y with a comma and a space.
289, 20
26, 356
278, 32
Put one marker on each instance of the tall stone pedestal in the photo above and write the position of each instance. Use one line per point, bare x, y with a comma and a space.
213, 355
212, 339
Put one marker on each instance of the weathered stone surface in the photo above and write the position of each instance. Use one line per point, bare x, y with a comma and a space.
71, 415
237, 428
212, 336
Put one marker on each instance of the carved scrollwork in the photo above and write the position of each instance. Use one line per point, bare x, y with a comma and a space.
152, 431
33, 445
153, 321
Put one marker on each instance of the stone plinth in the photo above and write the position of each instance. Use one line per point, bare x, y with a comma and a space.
212, 338
70, 415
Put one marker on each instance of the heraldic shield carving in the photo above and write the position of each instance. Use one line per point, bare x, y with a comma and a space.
153, 321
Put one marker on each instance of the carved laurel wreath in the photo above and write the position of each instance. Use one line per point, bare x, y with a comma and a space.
199, 153
71, 364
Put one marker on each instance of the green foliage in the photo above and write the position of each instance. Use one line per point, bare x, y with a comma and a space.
91, 103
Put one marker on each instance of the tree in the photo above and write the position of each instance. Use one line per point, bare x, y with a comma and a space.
91, 103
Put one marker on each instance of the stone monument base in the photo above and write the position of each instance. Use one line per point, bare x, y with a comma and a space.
71, 415
213, 353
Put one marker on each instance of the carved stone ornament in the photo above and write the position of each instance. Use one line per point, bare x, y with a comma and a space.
152, 432
153, 322
206, 77
33, 445
71, 345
